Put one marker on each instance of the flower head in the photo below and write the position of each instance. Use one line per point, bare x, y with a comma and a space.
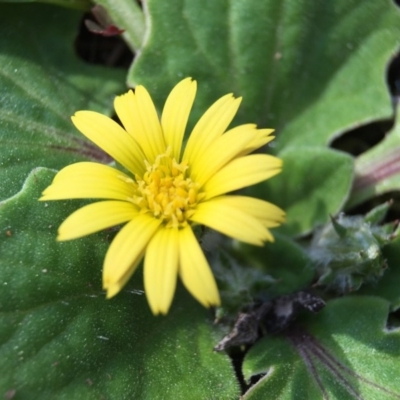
168, 190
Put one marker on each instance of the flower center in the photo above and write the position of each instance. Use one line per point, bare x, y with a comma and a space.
167, 192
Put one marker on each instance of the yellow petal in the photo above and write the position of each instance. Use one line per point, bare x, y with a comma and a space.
126, 251
242, 172
96, 217
194, 270
114, 288
211, 125
221, 151
235, 143
161, 269
87, 168
110, 137
176, 113
263, 137
86, 180
231, 221
139, 117
269, 214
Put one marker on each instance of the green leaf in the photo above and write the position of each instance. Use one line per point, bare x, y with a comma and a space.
61, 339
314, 184
309, 69
43, 83
344, 352
378, 170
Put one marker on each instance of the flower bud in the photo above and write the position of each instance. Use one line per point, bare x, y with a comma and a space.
347, 252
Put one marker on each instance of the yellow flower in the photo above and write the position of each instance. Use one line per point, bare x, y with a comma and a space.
168, 190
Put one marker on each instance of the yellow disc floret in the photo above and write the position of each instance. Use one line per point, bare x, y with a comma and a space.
167, 192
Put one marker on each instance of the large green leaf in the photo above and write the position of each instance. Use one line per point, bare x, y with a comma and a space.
42, 84
61, 339
309, 69
345, 352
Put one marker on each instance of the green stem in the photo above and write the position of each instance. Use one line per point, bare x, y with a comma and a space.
126, 14
370, 177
